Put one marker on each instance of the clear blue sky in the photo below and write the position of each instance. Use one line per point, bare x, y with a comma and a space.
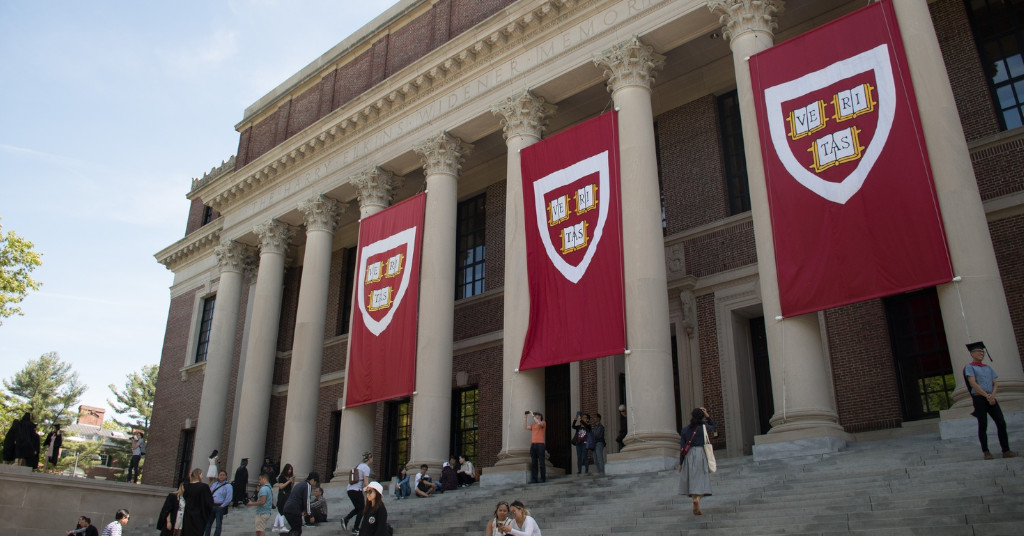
108, 109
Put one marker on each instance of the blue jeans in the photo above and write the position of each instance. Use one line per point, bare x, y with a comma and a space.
133, 469
582, 460
402, 490
599, 456
537, 463
218, 516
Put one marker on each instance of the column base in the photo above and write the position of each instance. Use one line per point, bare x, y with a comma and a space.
809, 441
513, 468
643, 458
958, 422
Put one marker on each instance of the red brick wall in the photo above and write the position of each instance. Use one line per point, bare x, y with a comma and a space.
1009, 245
305, 109
966, 75
721, 250
1000, 169
195, 216
694, 187
863, 371
175, 400
468, 13
484, 368
711, 372
588, 386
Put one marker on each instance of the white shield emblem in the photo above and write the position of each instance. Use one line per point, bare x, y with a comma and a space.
827, 128
572, 207
384, 277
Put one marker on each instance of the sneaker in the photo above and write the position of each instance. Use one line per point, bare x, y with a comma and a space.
988, 455
344, 523
1009, 454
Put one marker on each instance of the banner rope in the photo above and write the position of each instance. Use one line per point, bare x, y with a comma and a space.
963, 312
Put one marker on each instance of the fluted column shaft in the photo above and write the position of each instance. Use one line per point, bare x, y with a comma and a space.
631, 67
234, 259
985, 314
524, 117
321, 218
431, 412
254, 406
801, 380
376, 190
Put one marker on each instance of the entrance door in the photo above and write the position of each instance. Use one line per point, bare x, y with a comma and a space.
397, 430
556, 404
185, 456
923, 368
762, 374
332, 460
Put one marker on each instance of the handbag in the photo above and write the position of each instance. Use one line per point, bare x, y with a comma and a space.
709, 452
572, 439
685, 449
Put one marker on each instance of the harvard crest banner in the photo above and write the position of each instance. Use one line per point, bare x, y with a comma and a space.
574, 245
382, 358
852, 201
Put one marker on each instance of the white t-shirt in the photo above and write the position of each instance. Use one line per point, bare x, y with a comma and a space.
364, 473
529, 528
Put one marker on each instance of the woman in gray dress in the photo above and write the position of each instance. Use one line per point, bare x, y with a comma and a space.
694, 478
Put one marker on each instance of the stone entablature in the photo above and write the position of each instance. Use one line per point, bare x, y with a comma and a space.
194, 246
225, 167
465, 78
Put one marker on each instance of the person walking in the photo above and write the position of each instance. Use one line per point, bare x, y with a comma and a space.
522, 523
198, 504
375, 514
222, 495
597, 438
581, 434
982, 383
537, 438
355, 491
53, 442
694, 477
285, 481
263, 503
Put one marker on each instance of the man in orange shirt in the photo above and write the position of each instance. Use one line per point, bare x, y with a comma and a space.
537, 430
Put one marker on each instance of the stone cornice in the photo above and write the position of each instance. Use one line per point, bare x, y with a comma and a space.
443, 153
225, 167
523, 114
321, 213
197, 243
630, 63
412, 85
742, 16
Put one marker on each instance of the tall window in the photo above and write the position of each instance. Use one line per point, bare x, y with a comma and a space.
348, 284
731, 129
923, 367
998, 27
471, 249
207, 214
399, 430
205, 324
465, 420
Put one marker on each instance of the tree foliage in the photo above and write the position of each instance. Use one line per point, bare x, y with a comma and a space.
17, 260
47, 388
136, 399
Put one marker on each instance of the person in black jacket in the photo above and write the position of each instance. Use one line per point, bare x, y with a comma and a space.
375, 515
168, 517
53, 442
297, 506
198, 505
85, 528
240, 484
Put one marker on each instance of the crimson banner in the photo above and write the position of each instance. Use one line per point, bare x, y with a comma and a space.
382, 354
850, 191
574, 245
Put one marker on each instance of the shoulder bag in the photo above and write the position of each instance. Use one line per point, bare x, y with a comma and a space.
709, 452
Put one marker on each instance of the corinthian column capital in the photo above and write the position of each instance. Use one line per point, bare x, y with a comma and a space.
274, 236
742, 16
376, 187
443, 153
234, 256
523, 114
630, 63
321, 213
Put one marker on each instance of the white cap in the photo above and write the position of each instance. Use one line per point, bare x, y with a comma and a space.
377, 487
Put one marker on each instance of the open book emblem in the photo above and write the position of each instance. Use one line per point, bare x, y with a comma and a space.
829, 127
384, 277
572, 208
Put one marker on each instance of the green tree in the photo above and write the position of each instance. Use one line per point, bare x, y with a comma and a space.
17, 260
47, 388
136, 399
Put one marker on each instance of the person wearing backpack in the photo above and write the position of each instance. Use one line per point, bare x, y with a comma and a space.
264, 504
359, 478
981, 382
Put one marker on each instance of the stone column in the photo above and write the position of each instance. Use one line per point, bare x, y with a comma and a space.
321, 218
254, 407
376, 189
984, 314
653, 442
431, 411
805, 409
234, 260
523, 117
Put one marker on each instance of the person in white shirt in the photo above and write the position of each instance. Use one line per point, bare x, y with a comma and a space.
522, 523
115, 526
355, 493
423, 485
466, 472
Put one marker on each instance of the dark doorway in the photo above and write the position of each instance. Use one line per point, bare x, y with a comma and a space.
557, 406
465, 423
185, 456
397, 430
923, 369
332, 460
762, 374
675, 383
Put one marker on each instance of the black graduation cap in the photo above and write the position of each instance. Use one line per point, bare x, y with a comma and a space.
975, 346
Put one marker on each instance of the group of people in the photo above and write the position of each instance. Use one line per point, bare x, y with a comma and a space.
86, 528
588, 437
512, 519
21, 444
